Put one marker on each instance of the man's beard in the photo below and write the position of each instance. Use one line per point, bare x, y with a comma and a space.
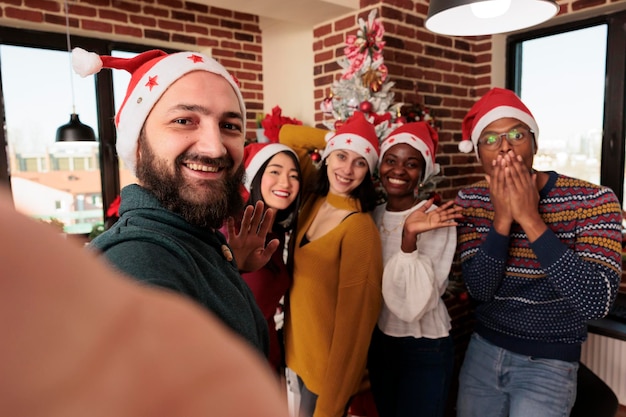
201, 203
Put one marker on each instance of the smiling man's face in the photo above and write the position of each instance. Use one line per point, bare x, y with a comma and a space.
191, 148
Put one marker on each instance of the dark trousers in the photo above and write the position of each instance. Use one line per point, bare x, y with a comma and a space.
410, 377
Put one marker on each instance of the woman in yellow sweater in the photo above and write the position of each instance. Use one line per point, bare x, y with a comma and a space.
335, 298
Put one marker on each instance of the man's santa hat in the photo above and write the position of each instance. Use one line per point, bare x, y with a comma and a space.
358, 135
498, 103
152, 72
255, 155
421, 136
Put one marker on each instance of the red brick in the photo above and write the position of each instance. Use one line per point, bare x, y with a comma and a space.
231, 45
154, 11
221, 12
207, 42
113, 15
218, 33
245, 17
196, 7
89, 24
45, 5
585, 4
323, 56
252, 66
345, 23
252, 48
127, 31
27, 15
208, 20
171, 4
223, 53
191, 28
82, 11
322, 31
333, 40
127, 6
143, 21
403, 4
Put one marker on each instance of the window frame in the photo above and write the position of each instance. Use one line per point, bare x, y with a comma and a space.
613, 126
105, 106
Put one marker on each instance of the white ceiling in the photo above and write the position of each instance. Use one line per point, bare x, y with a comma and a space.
305, 12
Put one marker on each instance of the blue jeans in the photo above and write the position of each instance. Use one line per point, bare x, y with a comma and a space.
410, 376
495, 382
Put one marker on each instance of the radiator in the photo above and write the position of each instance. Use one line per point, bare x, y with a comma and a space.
606, 357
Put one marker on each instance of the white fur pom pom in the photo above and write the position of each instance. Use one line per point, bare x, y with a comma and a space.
466, 146
85, 63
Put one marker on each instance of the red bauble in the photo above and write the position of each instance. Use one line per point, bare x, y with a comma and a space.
315, 156
365, 107
338, 124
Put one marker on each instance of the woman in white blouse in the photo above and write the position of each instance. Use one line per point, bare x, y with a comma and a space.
411, 354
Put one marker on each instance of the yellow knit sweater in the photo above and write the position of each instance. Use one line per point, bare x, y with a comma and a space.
334, 303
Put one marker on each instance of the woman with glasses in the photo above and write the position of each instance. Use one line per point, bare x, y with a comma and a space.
541, 255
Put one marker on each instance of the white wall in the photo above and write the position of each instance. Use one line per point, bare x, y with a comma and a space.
288, 69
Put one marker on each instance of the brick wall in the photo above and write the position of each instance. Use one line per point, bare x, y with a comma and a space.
234, 38
446, 74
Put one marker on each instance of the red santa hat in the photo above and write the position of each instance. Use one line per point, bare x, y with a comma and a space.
152, 72
498, 103
256, 154
358, 135
421, 136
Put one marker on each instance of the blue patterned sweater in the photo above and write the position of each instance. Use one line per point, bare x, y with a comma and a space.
535, 298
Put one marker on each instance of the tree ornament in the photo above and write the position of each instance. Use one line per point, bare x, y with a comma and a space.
372, 79
315, 156
366, 107
338, 124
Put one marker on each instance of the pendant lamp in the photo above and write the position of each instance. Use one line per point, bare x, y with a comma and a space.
486, 17
75, 130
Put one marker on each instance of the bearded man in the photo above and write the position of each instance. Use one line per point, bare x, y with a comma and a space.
181, 130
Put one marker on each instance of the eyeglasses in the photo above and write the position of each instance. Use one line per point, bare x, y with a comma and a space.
515, 137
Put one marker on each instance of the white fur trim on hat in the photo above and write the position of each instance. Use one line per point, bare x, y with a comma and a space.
85, 63
352, 142
466, 146
263, 155
431, 168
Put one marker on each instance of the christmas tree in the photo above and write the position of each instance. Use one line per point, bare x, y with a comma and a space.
364, 84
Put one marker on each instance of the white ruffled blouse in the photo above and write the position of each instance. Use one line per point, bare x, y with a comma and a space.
413, 283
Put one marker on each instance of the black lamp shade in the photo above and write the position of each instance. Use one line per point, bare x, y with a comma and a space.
486, 17
75, 131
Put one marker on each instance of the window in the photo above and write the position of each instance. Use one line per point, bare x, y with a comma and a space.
572, 79
74, 182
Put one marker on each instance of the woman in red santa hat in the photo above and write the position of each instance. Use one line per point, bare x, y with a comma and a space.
411, 355
273, 177
335, 298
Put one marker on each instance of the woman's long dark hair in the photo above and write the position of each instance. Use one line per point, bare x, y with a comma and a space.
365, 192
286, 219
